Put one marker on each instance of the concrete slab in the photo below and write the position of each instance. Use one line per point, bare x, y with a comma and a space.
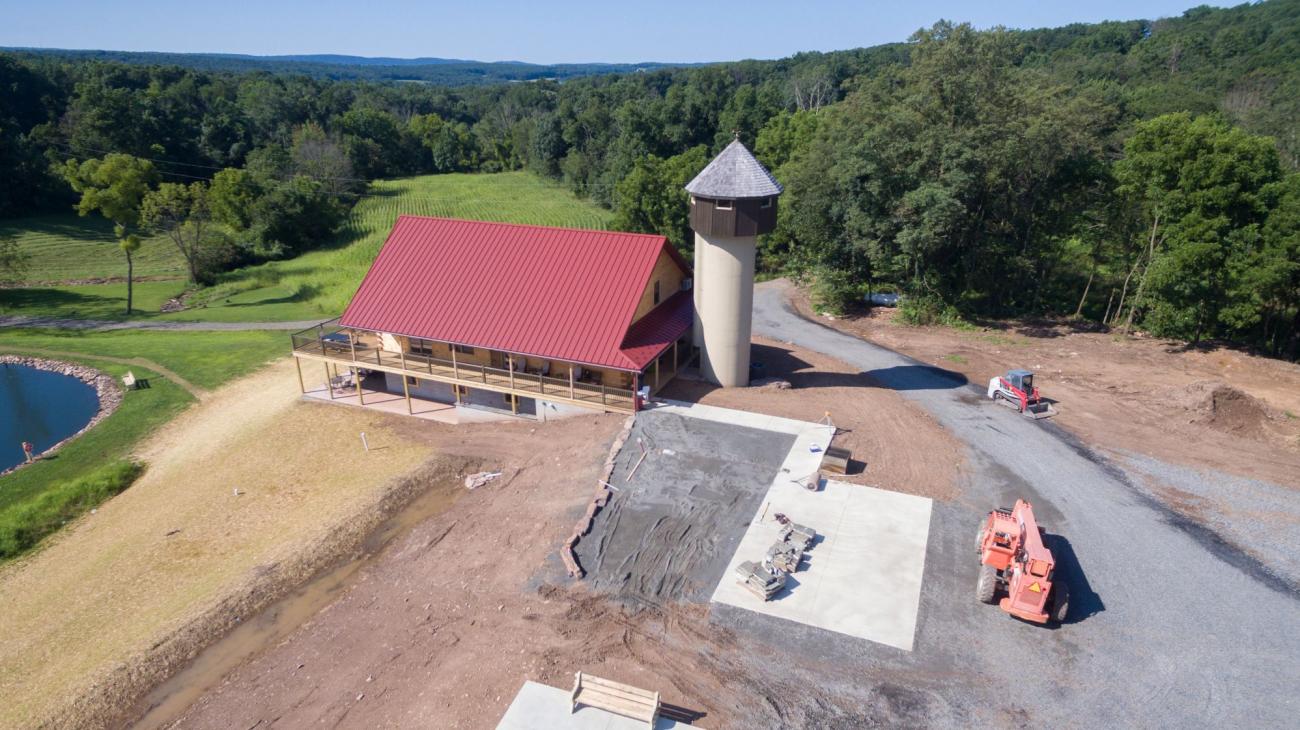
539, 707
862, 579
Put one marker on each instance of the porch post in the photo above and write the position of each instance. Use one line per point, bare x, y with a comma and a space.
636, 381
352, 341
676, 362
510, 366
402, 354
656, 373
329, 386
356, 377
406, 390
455, 372
298, 363
572, 390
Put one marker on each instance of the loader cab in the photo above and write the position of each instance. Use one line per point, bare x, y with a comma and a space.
1021, 380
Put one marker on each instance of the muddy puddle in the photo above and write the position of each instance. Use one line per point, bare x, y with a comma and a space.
162, 706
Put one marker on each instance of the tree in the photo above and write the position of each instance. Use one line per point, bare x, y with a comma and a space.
320, 157
1201, 188
652, 198
451, 145
182, 213
13, 260
114, 187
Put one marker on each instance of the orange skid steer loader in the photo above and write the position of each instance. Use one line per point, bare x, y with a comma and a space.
1013, 558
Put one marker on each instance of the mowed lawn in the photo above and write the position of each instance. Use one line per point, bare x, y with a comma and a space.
318, 284
68, 248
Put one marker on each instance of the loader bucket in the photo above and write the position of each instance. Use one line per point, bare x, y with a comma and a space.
1041, 409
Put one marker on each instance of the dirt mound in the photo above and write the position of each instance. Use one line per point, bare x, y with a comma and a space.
1222, 407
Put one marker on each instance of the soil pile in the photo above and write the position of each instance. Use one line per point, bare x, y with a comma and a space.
1224, 408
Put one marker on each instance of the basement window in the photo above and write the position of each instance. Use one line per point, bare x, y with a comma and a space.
724, 205
413, 381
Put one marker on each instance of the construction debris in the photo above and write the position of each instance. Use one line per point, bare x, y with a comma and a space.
761, 580
478, 479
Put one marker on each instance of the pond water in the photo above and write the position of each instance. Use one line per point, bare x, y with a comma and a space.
41, 407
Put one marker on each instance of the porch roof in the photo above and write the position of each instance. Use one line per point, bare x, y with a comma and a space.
654, 332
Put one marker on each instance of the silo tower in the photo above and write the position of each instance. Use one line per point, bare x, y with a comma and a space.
733, 199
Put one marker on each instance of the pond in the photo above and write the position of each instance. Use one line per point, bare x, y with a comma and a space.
42, 407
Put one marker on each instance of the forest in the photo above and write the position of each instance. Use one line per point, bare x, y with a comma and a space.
1138, 174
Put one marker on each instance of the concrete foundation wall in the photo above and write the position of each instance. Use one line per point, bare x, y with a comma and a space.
724, 307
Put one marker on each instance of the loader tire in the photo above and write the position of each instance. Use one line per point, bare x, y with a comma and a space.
1060, 602
987, 584
979, 539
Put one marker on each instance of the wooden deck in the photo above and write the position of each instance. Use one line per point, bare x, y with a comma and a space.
559, 390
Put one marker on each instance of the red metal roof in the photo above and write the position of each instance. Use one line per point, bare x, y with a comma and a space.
648, 336
559, 293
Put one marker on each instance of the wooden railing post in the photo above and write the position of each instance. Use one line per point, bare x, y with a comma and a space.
329, 384
455, 371
573, 395
602, 392
352, 341
510, 367
541, 386
402, 354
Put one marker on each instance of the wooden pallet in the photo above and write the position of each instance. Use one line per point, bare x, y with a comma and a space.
620, 699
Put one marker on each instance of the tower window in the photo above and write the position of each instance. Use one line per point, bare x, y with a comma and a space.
656, 291
724, 205
767, 203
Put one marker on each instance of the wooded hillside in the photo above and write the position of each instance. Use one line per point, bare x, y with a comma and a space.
1141, 173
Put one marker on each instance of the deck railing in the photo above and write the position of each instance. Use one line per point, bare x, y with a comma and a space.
328, 340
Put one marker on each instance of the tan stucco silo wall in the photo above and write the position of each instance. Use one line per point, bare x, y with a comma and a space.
724, 291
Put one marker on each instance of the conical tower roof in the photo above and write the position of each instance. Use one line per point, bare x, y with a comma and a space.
734, 174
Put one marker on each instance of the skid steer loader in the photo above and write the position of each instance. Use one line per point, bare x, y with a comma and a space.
1016, 390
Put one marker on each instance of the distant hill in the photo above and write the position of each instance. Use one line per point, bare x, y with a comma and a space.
440, 71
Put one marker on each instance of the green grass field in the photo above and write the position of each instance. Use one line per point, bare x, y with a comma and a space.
37, 499
69, 247
317, 284
206, 359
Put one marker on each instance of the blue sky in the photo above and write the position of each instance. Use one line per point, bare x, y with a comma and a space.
495, 30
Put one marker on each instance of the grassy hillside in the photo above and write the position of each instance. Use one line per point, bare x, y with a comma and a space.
68, 247
315, 285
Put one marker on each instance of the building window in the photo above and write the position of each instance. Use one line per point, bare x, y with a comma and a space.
656, 291
767, 203
724, 205
421, 347
463, 349
413, 381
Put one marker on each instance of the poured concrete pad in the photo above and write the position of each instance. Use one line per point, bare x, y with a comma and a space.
539, 707
864, 576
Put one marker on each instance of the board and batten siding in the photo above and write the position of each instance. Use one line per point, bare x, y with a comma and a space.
669, 275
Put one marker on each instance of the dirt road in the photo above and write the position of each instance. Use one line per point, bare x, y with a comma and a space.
1172, 624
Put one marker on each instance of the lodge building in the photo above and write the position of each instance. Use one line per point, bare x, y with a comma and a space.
539, 321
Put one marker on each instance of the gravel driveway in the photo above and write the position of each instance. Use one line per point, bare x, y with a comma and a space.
1172, 625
